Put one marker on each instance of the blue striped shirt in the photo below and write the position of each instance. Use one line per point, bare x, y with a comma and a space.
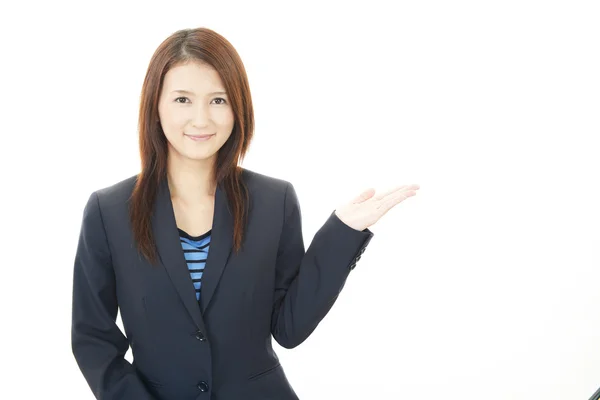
195, 250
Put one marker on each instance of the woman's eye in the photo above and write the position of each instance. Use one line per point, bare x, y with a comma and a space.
185, 98
220, 98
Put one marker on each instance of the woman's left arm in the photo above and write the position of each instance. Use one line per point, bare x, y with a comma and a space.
308, 283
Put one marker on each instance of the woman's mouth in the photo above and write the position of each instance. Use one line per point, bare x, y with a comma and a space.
200, 138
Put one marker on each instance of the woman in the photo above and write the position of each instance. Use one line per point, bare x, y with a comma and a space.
205, 259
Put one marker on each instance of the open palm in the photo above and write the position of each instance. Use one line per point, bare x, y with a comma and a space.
366, 209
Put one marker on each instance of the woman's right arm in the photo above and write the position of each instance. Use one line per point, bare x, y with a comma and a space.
98, 344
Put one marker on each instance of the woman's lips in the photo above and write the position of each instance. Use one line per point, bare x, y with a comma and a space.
200, 138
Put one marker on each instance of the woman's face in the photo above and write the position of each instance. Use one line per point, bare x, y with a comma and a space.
192, 102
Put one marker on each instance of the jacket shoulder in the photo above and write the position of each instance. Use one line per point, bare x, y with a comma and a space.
117, 193
262, 182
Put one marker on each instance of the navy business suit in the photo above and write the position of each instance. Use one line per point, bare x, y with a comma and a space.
220, 348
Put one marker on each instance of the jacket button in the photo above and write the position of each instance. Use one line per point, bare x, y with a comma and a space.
200, 336
203, 386
352, 266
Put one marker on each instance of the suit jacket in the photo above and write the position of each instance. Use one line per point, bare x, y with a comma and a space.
220, 349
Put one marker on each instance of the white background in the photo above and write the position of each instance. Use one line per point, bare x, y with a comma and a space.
482, 286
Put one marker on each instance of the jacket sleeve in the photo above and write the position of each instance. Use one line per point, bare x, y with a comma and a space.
307, 284
97, 343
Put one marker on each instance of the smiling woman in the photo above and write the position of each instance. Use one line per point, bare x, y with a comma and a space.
204, 259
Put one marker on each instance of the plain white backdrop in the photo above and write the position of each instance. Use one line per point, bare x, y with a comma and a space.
482, 286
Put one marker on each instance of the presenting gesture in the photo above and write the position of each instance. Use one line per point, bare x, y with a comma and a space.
366, 209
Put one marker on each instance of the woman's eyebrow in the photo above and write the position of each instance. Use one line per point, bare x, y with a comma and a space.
192, 93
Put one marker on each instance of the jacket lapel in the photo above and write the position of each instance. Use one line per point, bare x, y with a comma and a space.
171, 254
221, 244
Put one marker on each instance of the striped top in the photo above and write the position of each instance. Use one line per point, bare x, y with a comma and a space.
195, 250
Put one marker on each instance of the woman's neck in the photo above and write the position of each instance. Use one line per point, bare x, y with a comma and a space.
190, 183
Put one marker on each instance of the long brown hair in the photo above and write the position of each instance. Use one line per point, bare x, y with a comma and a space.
208, 47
